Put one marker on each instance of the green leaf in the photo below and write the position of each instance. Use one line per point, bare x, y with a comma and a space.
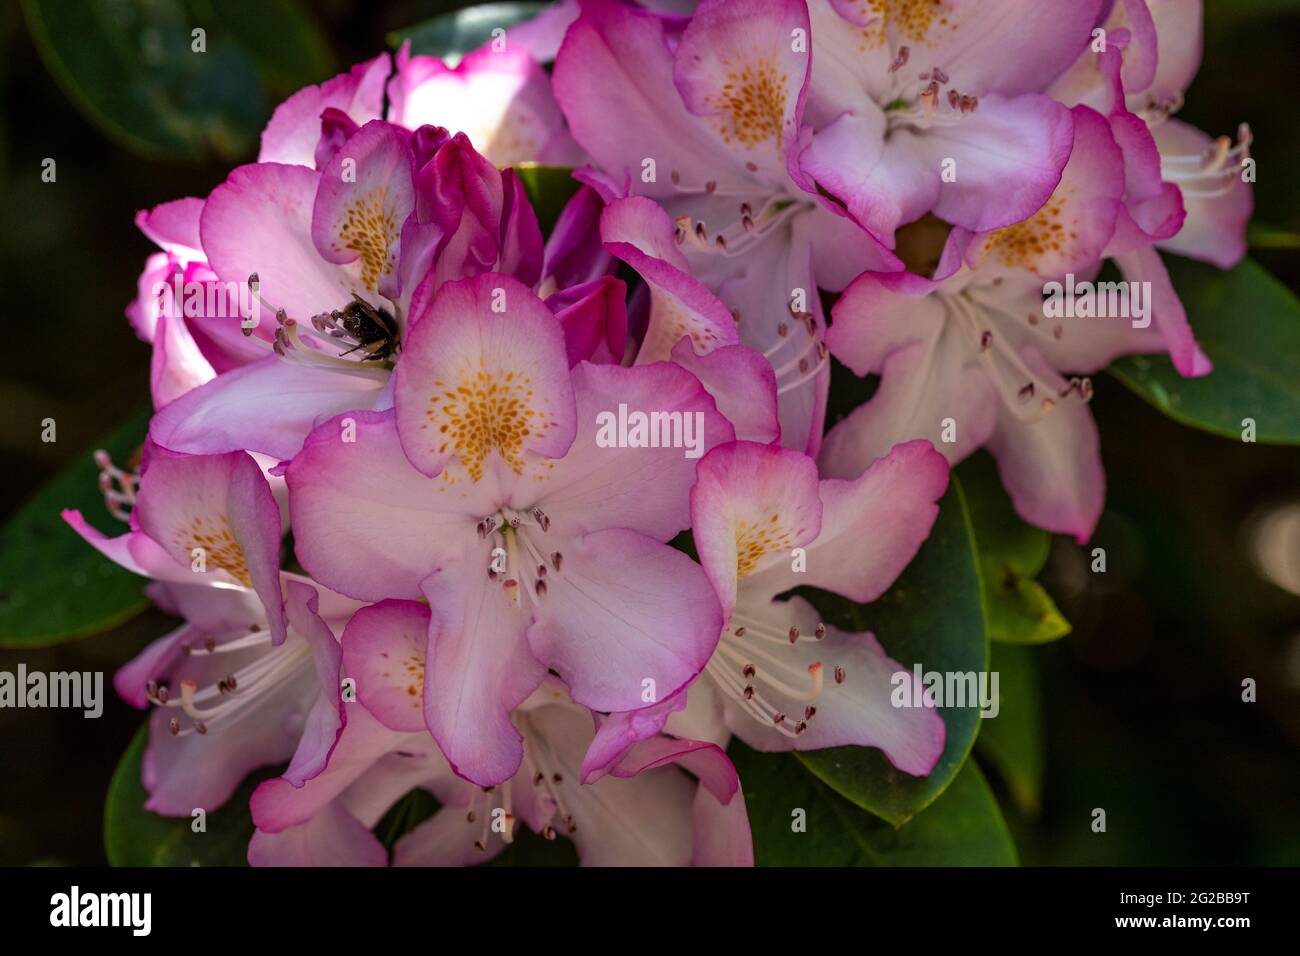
53, 586
964, 827
1013, 740
452, 35
130, 67
289, 49
933, 616
548, 189
1248, 323
1011, 555
135, 837
1260, 235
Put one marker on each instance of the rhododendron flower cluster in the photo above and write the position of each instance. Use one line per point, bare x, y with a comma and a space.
376, 488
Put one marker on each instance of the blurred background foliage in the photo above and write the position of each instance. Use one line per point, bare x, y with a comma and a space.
1141, 710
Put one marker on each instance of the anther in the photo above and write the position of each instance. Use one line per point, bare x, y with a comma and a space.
739, 632
540, 588
839, 674
794, 633
819, 631
748, 671
1026, 392
174, 726
543, 522
986, 339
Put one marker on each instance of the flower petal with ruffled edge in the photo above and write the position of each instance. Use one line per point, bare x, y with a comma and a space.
217, 513
366, 193
295, 127
501, 99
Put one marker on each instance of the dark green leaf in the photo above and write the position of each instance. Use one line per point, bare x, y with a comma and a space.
1013, 740
932, 616
135, 837
1011, 555
548, 189
130, 66
1248, 323
53, 586
964, 827
454, 34
284, 41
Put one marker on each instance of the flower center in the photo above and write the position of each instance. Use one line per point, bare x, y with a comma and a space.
213, 537
547, 773
1211, 173
484, 412
753, 99
369, 230
204, 708
1029, 395
517, 563
776, 692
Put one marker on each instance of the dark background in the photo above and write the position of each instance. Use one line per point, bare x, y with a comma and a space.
1142, 702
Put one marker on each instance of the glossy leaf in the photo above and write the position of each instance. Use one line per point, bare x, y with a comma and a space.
135, 837
963, 827
454, 34
53, 586
1012, 741
932, 616
1248, 323
1011, 554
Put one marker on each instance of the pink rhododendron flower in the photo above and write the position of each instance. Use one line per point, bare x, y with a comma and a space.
643, 812
485, 491
652, 101
970, 358
239, 684
501, 99
322, 245
939, 108
781, 678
